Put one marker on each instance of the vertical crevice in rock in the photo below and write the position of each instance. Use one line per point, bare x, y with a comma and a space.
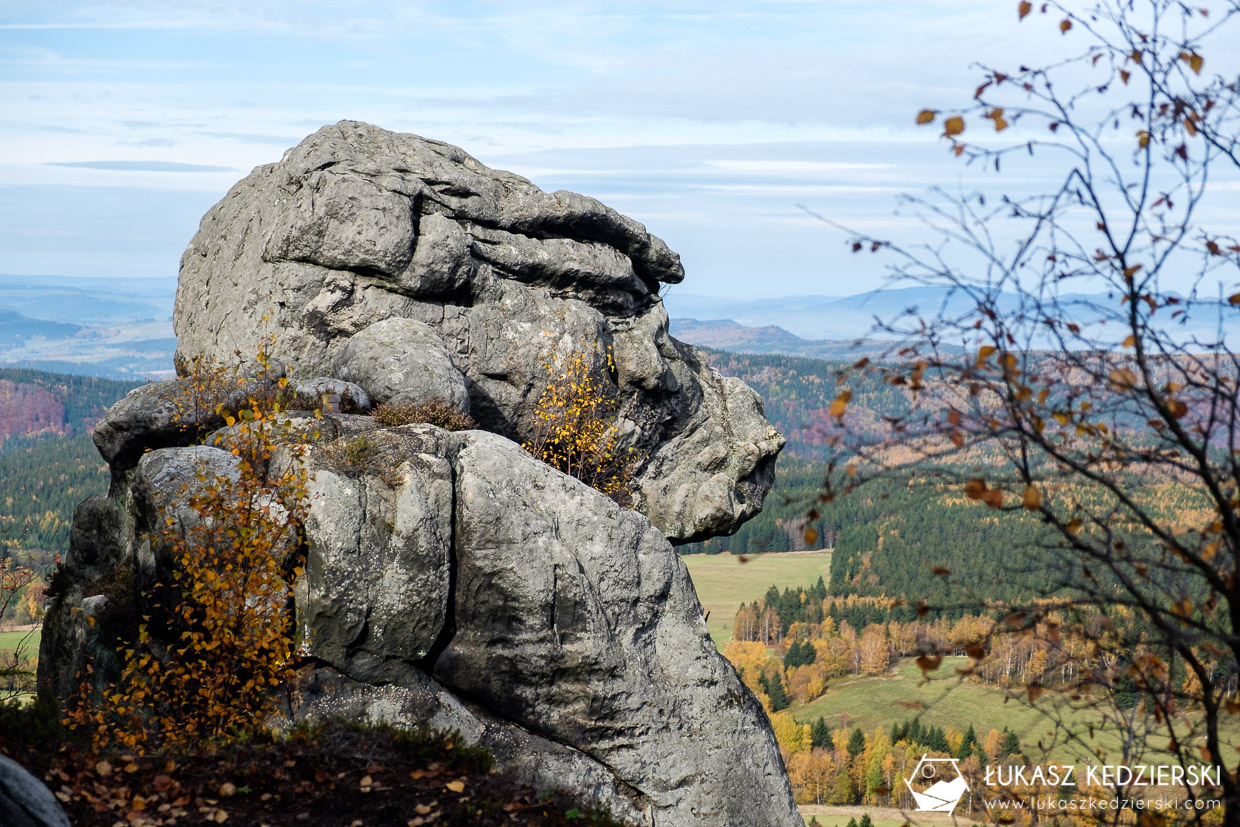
444, 638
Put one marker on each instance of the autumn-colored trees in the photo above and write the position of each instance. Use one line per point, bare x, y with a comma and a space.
20, 586
223, 647
1090, 354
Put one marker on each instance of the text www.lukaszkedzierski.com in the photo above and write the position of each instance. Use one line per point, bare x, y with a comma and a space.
1082, 804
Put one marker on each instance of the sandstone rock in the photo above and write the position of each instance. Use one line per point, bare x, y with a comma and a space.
451, 580
402, 360
379, 536
553, 579
574, 630
330, 395
416, 700
25, 801
358, 231
166, 414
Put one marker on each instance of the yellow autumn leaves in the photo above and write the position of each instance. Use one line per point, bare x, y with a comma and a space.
224, 641
576, 426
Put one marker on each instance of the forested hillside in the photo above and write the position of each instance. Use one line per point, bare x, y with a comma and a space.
48, 463
892, 537
35, 403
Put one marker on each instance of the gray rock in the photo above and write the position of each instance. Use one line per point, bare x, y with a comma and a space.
440, 264
169, 414
417, 700
451, 580
576, 619
357, 226
402, 360
379, 537
330, 395
25, 801
342, 222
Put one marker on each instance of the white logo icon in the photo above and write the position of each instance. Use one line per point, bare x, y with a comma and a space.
946, 785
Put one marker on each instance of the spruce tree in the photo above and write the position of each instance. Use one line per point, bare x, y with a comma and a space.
775, 691
856, 743
966, 746
915, 733
820, 734
1011, 743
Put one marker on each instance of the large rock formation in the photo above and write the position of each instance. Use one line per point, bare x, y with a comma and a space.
357, 227
451, 579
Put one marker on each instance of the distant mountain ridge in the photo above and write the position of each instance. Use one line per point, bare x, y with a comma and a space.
725, 334
15, 328
112, 328
86, 300
825, 323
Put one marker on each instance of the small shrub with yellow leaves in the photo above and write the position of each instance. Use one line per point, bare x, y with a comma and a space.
576, 427
209, 658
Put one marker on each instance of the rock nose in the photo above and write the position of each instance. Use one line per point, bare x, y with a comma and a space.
406, 266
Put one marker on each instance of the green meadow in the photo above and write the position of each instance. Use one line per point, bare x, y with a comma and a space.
944, 698
941, 699
11, 640
723, 582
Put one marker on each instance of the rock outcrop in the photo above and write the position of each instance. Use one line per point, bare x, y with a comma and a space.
25, 801
451, 579
358, 233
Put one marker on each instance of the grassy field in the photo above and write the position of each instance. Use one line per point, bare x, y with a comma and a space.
881, 816
948, 700
723, 582
9, 640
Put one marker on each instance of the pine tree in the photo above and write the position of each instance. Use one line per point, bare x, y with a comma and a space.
820, 733
856, 743
967, 745
865, 821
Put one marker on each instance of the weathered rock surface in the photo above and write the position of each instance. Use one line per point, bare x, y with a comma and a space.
451, 580
25, 801
359, 234
403, 360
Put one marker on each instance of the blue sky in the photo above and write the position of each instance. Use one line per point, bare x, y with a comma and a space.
708, 121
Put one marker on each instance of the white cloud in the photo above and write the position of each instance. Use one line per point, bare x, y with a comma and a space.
798, 166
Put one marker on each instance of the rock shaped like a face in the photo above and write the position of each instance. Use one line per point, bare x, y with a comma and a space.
357, 226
